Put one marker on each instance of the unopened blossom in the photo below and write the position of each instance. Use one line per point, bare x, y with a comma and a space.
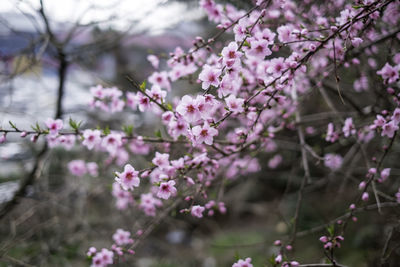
243, 263
209, 76
204, 134
187, 107
197, 211
77, 167
129, 178
166, 190
161, 160
91, 138
235, 104
3, 138
122, 237
389, 74
365, 196
54, 125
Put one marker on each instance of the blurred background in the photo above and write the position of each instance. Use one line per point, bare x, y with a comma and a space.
51, 53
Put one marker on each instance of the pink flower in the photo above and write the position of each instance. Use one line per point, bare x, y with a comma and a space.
77, 167
91, 138
153, 60
156, 93
92, 168
166, 190
91, 251
275, 161
284, 33
187, 107
348, 128
197, 211
240, 29
396, 115
161, 160
356, 41
230, 54
129, 178
148, 204
384, 175
389, 129
103, 258
204, 134
209, 76
276, 66
122, 237
112, 142
333, 162
259, 49
243, 263
235, 104
160, 79
389, 74
54, 125
143, 102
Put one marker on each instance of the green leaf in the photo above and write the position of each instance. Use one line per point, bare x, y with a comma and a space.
106, 130
142, 86
169, 107
13, 125
158, 134
128, 129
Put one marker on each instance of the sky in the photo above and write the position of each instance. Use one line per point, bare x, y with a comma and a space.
151, 15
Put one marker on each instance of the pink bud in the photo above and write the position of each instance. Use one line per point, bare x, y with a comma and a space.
352, 206
289, 247
323, 239
362, 185
365, 196
277, 243
2, 138
328, 245
354, 219
23, 134
278, 258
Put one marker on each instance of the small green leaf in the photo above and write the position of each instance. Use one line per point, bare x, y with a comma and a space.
169, 107
142, 86
106, 131
13, 125
158, 134
128, 129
